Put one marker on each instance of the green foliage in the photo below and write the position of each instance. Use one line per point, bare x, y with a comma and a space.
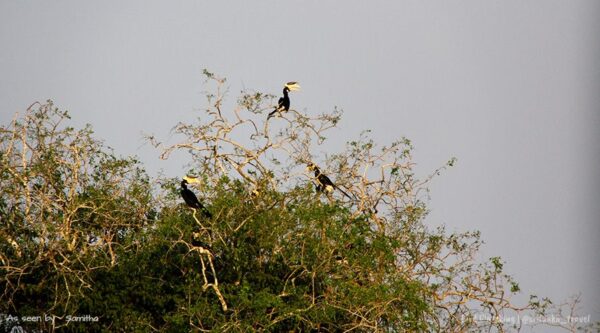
68, 205
81, 234
302, 266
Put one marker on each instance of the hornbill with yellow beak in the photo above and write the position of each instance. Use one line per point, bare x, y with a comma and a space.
324, 184
190, 198
284, 102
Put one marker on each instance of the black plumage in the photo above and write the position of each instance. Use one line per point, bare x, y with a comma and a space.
284, 102
324, 184
191, 200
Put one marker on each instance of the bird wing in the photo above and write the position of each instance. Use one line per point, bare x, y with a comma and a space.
325, 181
191, 200
280, 107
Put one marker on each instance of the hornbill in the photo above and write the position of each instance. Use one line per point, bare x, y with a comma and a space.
284, 102
190, 198
324, 184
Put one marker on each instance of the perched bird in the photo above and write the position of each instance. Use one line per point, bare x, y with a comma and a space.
190, 198
284, 102
324, 184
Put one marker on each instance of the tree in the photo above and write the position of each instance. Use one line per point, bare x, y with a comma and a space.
367, 262
84, 235
67, 205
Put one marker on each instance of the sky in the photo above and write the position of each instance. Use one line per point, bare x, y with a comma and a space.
510, 88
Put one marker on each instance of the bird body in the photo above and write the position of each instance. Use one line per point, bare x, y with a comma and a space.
324, 184
284, 102
190, 198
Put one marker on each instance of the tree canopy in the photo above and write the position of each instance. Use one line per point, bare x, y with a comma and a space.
89, 242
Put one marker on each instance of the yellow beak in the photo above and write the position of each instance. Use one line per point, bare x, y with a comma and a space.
191, 179
293, 86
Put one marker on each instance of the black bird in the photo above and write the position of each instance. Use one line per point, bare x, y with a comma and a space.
190, 198
284, 102
324, 184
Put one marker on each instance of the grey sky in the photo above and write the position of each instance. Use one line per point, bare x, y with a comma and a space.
511, 88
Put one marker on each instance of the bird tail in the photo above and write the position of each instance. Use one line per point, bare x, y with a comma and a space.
346, 194
206, 213
272, 113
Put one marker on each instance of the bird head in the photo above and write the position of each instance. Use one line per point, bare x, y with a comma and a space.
311, 166
292, 86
